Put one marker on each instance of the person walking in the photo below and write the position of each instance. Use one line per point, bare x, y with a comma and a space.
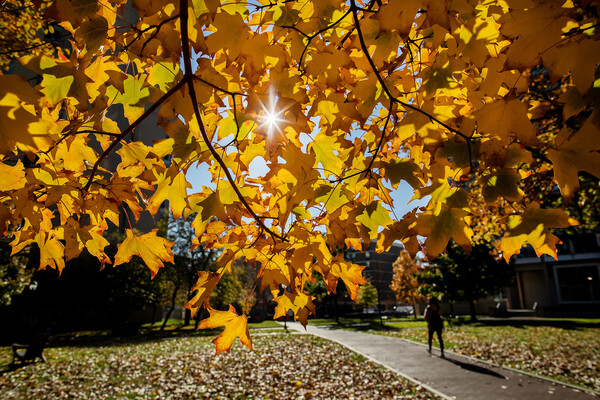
435, 324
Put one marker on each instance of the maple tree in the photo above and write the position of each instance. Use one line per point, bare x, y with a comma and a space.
183, 273
404, 281
339, 101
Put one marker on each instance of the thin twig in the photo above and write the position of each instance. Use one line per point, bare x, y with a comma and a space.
131, 127
363, 46
2, 53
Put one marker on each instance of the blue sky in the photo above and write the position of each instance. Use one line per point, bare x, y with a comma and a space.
199, 176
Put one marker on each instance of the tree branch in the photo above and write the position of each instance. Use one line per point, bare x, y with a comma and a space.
3, 53
131, 127
188, 75
363, 46
156, 28
314, 35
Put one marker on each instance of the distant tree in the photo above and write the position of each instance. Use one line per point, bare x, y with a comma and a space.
229, 290
23, 30
178, 279
367, 296
458, 276
88, 295
404, 281
318, 289
14, 274
124, 289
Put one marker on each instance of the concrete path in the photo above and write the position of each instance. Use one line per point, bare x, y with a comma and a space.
453, 377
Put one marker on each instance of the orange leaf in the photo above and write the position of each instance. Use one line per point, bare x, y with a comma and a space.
448, 223
351, 275
52, 251
235, 326
203, 288
506, 119
300, 303
13, 178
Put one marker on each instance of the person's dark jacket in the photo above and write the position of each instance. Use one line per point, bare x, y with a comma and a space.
433, 318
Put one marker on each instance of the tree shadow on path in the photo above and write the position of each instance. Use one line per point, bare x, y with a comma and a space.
475, 368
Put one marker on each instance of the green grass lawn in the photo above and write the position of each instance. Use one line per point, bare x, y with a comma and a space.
570, 354
282, 366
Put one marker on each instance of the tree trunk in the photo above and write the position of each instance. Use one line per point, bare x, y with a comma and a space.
379, 308
188, 313
335, 309
199, 317
414, 311
173, 298
472, 310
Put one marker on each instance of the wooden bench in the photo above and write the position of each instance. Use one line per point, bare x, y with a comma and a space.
25, 353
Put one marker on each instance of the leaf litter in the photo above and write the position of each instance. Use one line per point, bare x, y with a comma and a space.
281, 367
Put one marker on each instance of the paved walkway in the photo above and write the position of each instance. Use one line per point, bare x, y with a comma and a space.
453, 377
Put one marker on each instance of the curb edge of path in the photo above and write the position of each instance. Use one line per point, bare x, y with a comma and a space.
518, 371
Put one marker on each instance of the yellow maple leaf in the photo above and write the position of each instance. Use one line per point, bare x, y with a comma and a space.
324, 147
75, 153
172, 186
398, 15
93, 33
533, 227
52, 251
574, 154
230, 36
13, 177
76, 238
535, 30
301, 305
577, 58
441, 226
373, 217
133, 153
20, 127
506, 119
503, 183
152, 249
403, 169
235, 326
75, 10
351, 275
275, 272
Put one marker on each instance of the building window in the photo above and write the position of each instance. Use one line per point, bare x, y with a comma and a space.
578, 284
367, 255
